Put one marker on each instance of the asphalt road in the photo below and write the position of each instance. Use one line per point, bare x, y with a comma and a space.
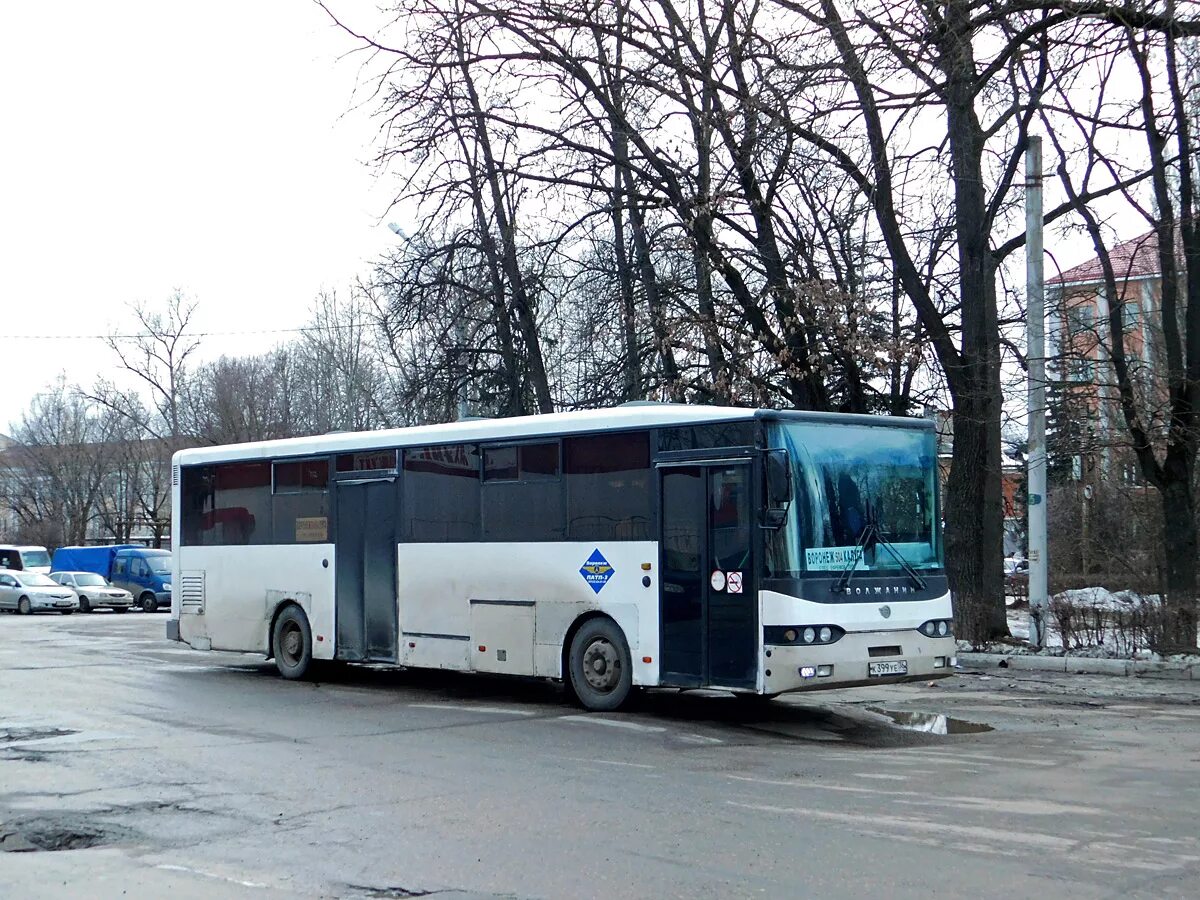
130, 766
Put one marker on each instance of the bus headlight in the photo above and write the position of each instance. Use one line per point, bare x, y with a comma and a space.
777, 635
936, 628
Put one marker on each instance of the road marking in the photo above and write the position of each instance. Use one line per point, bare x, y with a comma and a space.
170, 868
919, 798
612, 723
879, 776
466, 707
875, 822
606, 762
699, 739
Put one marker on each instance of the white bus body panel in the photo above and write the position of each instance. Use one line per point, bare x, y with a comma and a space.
242, 587
866, 626
520, 599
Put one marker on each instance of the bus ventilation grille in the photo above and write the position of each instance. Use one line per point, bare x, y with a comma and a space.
191, 593
175, 476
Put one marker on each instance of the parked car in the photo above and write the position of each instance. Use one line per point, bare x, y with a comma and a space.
143, 572
1016, 579
24, 559
29, 592
94, 591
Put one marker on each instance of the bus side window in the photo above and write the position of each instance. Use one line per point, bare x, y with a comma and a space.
609, 493
119, 567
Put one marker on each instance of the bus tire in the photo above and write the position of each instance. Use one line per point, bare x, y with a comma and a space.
291, 643
600, 665
149, 602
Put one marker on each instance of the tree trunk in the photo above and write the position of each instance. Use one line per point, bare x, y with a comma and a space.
1180, 545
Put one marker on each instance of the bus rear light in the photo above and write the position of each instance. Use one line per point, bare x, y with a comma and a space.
808, 671
824, 671
320, 637
482, 648
647, 659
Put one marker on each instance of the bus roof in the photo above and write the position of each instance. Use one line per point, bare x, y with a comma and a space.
617, 418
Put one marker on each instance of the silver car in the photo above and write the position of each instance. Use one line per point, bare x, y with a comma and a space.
28, 592
94, 591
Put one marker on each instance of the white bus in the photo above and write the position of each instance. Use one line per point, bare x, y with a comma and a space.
754, 551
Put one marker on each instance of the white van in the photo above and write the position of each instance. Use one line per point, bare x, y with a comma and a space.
24, 559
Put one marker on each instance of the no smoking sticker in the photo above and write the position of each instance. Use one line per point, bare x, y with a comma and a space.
733, 583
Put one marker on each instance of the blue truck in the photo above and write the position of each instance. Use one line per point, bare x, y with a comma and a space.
143, 572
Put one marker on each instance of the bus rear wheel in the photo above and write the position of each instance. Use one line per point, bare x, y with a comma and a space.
600, 665
291, 643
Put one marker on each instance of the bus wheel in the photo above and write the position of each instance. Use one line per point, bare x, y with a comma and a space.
601, 670
291, 643
149, 603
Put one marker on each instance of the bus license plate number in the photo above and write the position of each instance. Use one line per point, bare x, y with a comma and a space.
891, 667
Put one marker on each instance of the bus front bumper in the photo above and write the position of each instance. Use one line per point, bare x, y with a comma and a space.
858, 658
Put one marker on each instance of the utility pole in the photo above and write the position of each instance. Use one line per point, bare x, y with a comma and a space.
1035, 352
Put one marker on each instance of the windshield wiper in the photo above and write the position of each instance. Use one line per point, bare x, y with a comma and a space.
872, 532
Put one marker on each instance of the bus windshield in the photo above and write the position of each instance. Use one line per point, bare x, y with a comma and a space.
843, 475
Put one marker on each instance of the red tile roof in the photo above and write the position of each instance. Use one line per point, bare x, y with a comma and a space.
1134, 258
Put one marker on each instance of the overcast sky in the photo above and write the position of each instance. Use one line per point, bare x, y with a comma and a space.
150, 146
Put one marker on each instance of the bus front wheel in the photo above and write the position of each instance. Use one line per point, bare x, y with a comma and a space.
291, 643
149, 602
601, 668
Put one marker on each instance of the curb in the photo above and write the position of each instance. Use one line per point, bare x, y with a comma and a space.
1083, 665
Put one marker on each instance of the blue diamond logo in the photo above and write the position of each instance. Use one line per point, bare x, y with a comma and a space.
596, 571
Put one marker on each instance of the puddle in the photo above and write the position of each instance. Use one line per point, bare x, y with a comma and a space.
931, 723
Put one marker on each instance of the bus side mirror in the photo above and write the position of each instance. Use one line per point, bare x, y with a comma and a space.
779, 488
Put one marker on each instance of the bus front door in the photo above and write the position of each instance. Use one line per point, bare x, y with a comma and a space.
709, 601
366, 571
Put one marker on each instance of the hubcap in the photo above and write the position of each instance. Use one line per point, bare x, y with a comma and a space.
291, 644
601, 665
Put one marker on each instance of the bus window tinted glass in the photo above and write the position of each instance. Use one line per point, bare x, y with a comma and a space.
523, 511
500, 464
301, 504
367, 461
538, 461
295, 477
707, 437
609, 494
227, 504
441, 494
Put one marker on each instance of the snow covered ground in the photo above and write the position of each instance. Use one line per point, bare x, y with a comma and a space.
1102, 625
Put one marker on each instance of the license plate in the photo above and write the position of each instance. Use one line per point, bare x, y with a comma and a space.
891, 667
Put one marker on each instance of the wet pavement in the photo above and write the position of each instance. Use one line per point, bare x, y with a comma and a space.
130, 766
